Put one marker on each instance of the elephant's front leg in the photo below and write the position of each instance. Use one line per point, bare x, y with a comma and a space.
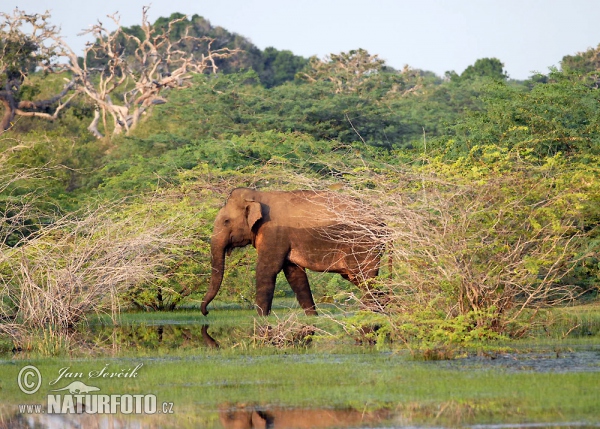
267, 269
296, 277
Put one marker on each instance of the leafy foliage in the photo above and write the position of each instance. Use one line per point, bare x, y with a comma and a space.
237, 104
483, 68
560, 116
490, 185
582, 62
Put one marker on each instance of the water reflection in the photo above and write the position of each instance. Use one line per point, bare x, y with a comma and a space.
241, 417
264, 417
208, 340
177, 336
229, 417
149, 337
66, 421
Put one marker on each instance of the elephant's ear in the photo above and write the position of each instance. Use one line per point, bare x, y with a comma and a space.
253, 213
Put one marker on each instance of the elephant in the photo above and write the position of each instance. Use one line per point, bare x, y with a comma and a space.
293, 231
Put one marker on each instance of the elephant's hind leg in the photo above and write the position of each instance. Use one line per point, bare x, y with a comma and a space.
296, 277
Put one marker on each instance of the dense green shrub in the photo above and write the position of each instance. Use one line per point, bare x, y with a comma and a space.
490, 186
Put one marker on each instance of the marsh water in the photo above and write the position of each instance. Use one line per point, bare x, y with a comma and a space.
215, 379
263, 417
181, 334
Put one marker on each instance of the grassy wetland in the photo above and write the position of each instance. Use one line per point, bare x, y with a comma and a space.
485, 313
549, 380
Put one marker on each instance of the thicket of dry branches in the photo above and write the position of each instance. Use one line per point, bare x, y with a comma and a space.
78, 266
491, 249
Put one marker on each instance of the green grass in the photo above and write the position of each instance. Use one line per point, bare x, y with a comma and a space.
362, 381
332, 372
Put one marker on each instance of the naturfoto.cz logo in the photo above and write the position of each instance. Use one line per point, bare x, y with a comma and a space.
79, 397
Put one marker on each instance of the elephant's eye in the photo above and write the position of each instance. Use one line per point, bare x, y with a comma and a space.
226, 222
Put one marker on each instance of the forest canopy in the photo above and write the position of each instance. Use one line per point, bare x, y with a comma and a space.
494, 182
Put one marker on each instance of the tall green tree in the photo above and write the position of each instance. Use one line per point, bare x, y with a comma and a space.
582, 62
560, 116
279, 67
484, 67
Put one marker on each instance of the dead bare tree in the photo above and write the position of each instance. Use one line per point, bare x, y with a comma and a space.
122, 74
133, 78
28, 42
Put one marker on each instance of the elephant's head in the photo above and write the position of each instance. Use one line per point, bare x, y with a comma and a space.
234, 226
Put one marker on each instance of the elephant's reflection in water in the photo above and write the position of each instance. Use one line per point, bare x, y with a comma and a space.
238, 417
241, 417
209, 341
150, 337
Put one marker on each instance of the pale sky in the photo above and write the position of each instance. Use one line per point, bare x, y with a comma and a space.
435, 35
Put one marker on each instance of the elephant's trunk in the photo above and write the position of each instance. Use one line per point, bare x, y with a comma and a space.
218, 267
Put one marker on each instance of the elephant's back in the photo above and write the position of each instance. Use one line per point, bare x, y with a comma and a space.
311, 208
319, 200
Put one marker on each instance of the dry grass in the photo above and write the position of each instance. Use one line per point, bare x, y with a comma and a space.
287, 331
79, 265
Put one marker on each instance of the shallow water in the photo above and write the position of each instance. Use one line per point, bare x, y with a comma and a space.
571, 360
258, 417
157, 333
180, 334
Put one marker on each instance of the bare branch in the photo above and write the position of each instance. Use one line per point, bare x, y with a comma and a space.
79, 265
124, 75
479, 248
28, 43
149, 66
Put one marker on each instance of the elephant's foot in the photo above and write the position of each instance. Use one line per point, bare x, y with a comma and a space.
310, 311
